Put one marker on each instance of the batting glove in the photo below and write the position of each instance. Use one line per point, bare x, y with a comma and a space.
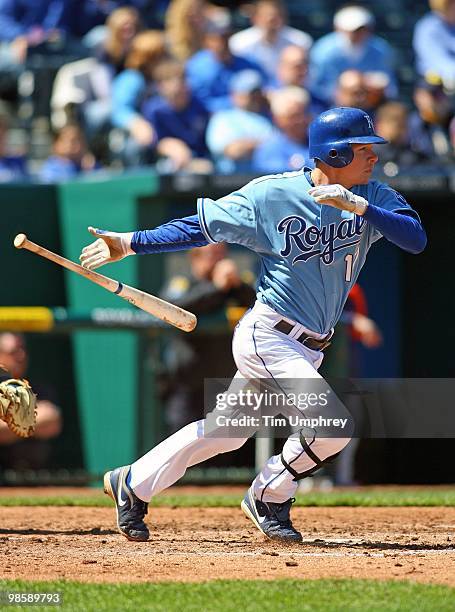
110, 247
339, 197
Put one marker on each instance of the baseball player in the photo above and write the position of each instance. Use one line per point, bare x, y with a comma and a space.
312, 230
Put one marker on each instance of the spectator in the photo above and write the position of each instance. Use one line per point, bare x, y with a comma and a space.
82, 90
113, 31
392, 123
179, 119
362, 329
185, 27
377, 84
287, 148
266, 39
364, 90
70, 157
122, 25
13, 168
210, 69
292, 71
352, 45
214, 283
32, 453
434, 42
429, 124
351, 90
292, 68
130, 88
233, 134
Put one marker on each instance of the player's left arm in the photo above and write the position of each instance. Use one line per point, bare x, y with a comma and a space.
390, 214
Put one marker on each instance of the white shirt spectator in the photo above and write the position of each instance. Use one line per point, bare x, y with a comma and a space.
251, 44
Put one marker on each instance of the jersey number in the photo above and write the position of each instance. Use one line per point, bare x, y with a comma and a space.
348, 259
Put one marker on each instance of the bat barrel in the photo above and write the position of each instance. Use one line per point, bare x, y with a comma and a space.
159, 308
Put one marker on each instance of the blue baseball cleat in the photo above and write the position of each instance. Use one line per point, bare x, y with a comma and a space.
270, 518
130, 509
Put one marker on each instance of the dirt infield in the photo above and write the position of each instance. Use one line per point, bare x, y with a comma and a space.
192, 544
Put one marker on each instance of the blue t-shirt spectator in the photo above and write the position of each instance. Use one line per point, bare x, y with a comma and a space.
70, 156
209, 78
57, 169
128, 91
13, 169
329, 58
434, 46
188, 124
233, 134
280, 154
234, 124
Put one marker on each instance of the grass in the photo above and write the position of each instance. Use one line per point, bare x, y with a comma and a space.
233, 595
353, 498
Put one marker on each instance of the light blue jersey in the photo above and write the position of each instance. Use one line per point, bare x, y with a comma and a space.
311, 254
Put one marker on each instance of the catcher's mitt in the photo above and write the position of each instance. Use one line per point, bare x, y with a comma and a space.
18, 406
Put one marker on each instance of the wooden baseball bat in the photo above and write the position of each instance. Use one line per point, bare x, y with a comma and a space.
165, 311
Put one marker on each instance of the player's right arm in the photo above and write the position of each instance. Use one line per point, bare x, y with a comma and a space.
232, 218
109, 247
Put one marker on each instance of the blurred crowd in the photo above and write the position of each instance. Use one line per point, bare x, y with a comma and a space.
190, 86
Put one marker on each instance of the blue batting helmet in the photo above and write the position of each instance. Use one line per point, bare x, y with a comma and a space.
333, 132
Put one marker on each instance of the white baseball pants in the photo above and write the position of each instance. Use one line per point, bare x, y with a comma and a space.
259, 351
